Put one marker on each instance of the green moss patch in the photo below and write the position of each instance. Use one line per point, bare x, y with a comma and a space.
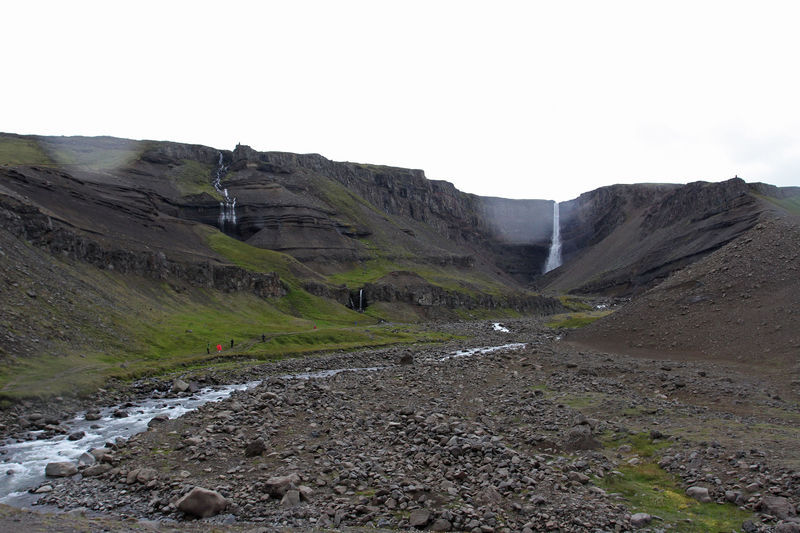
648, 488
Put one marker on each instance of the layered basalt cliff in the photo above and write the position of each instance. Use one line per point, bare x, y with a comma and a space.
27, 222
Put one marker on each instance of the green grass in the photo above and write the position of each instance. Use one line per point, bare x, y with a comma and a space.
791, 204
575, 320
98, 153
648, 488
193, 177
22, 151
641, 444
573, 303
256, 259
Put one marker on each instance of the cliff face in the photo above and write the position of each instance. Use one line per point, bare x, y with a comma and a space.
623, 239
339, 216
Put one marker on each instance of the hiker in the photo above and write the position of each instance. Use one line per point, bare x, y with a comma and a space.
219, 347
208, 348
263, 338
231, 343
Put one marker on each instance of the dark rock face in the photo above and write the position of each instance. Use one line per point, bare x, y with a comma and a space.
27, 222
408, 287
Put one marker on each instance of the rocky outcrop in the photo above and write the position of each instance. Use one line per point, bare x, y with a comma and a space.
28, 223
408, 287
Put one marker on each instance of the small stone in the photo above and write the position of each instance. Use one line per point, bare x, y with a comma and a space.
43, 489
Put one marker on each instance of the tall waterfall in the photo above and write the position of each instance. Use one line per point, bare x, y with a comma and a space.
227, 208
554, 258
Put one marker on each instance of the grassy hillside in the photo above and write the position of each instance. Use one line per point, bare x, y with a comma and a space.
89, 325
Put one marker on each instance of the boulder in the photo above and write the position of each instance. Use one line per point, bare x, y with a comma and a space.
202, 503
440, 524
179, 386
60, 469
580, 437
92, 415
699, 493
291, 498
778, 506
419, 518
640, 519
158, 419
255, 448
277, 486
146, 475
78, 435
96, 470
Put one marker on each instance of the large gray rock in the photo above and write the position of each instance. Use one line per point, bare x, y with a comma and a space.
778, 506
419, 518
640, 519
179, 386
699, 493
202, 503
278, 485
96, 470
60, 469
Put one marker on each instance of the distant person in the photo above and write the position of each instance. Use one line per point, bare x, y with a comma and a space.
263, 338
231, 343
208, 348
219, 347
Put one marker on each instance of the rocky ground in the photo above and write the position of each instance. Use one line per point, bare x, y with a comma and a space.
517, 439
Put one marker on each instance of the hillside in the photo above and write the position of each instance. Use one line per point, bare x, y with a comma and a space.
119, 260
739, 304
623, 239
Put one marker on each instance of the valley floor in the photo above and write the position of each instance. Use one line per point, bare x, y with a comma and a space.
545, 436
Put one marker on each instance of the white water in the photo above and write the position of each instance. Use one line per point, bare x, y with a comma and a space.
227, 209
554, 258
360, 299
488, 349
497, 326
27, 460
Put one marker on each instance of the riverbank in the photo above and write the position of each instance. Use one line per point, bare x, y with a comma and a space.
544, 436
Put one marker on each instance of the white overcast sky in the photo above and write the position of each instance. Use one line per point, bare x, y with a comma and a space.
515, 99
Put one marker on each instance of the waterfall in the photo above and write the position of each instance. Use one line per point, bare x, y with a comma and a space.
360, 300
227, 208
554, 258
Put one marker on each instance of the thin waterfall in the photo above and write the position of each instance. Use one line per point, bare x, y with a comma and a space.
554, 258
227, 208
360, 299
